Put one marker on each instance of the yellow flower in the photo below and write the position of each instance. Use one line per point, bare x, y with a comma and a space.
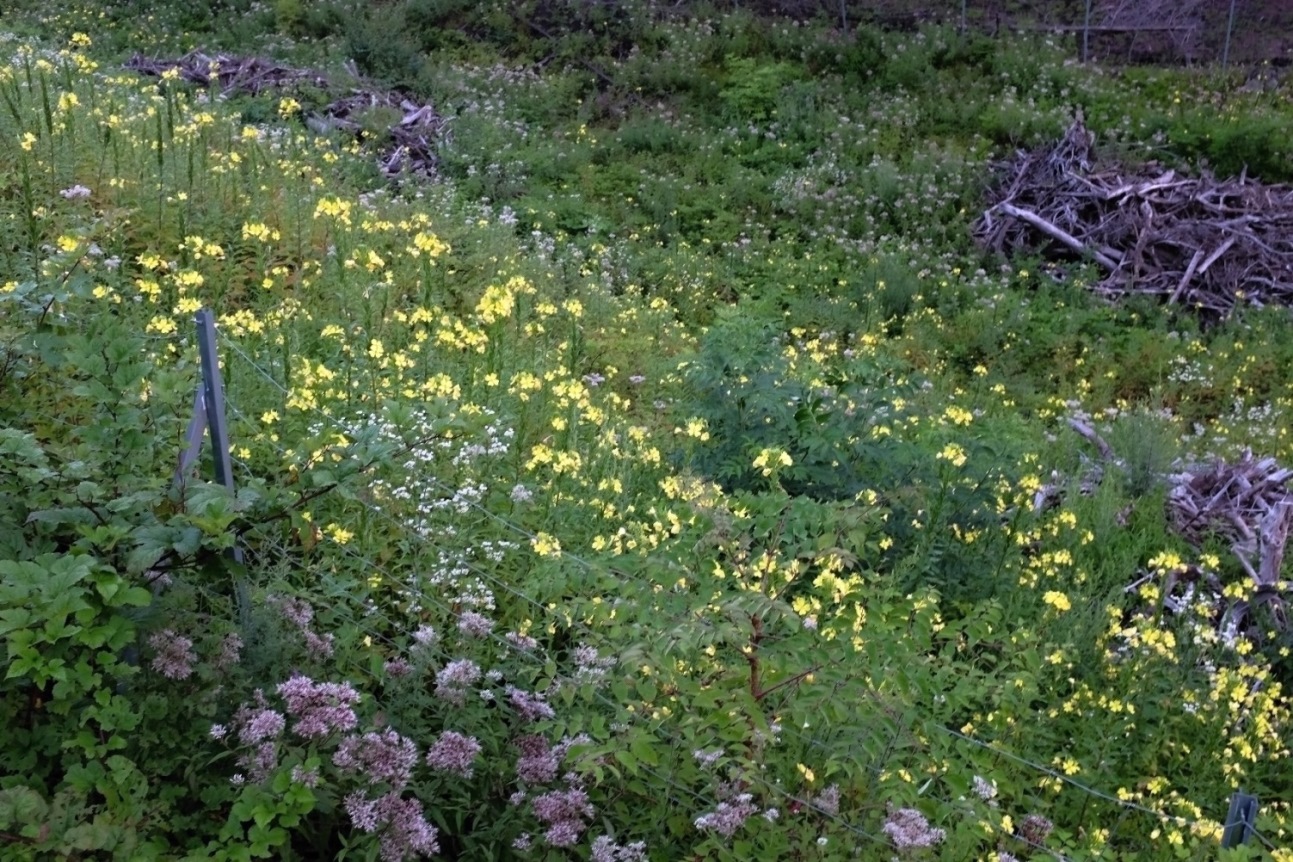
80, 40
1167, 561
772, 459
545, 545
161, 325
1057, 600
428, 244
958, 415
953, 454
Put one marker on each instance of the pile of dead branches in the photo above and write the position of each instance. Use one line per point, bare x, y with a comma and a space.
1207, 243
231, 75
408, 138
411, 139
1247, 502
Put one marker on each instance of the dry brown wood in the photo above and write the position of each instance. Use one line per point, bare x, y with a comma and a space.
1205, 243
410, 142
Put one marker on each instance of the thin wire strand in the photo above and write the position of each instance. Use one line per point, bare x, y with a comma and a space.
1099, 794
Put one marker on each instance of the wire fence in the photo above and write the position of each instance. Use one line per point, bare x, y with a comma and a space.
684, 796
1168, 31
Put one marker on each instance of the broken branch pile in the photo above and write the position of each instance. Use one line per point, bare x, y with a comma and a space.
410, 139
250, 75
1247, 501
1207, 243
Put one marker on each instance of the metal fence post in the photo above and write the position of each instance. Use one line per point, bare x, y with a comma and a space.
1230, 29
209, 415
1240, 820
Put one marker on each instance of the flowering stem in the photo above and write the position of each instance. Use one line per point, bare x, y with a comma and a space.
752, 657
789, 681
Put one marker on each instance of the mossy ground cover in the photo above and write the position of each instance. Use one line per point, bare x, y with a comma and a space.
659, 483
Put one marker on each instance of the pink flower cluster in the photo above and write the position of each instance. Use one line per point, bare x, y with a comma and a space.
907, 828
453, 680
378, 757
606, 850
405, 831
729, 816
175, 657
299, 613
531, 707
320, 708
564, 813
455, 753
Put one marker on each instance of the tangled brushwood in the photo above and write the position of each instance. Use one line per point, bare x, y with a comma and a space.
1208, 244
412, 129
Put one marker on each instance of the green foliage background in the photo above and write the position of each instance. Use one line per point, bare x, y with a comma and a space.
685, 374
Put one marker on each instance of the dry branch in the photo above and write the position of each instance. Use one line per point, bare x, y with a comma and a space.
1249, 503
410, 140
1205, 243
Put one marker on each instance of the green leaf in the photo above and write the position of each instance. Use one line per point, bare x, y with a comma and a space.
20, 806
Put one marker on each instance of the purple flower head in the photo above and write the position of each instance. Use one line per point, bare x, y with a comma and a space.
564, 833
907, 828
525, 643
453, 680
174, 659
531, 707
320, 708
317, 646
230, 651
308, 777
260, 762
1035, 828
475, 625
405, 833
455, 753
558, 805
707, 758
828, 801
728, 816
296, 611
538, 764
425, 637
397, 668
590, 667
564, 811
362, 811
258, 725
606, 850
378, 757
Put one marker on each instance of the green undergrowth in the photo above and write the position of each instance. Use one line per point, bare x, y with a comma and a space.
670, 477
